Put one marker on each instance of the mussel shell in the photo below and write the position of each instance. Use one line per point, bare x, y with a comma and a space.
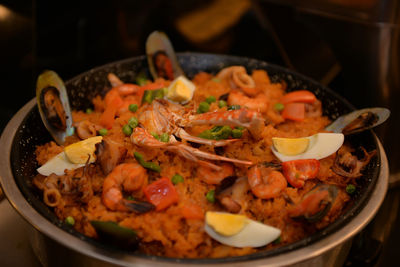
375, 118
53, 104
158, 44
332, 190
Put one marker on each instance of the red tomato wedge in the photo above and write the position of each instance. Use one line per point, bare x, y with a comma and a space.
192, 211
298, 171
301, 96
161, 193
294, 111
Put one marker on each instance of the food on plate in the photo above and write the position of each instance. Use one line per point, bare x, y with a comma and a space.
221, 165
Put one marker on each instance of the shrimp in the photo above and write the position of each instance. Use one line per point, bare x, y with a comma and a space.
250, 119
211, 176
128, 177
268, 186
142, 138
127, 89
258, 103
87, 129
237, 77
114, 80
181, 133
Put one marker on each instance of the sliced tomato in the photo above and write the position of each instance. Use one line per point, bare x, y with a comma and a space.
294, 111
161, 193
192, 211
300, 96
298, 171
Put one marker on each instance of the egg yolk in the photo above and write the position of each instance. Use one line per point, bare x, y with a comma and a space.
80, 151
290, 146
225, 223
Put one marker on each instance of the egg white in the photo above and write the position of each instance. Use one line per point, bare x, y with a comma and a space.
57, 165
253, 234
321, 146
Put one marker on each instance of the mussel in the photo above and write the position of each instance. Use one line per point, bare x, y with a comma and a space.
54, 106
315, 204
359, 120
161, 57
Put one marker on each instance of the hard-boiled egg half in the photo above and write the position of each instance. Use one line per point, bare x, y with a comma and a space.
317, 146
180, 90
238, 230
74, 156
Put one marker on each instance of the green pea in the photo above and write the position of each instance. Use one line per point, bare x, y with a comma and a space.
177, 178
89, 111
234, 107
103, 132
236, 133
203, 107
210, 196
70, 221
127, 130
350, 189
216, 80
222, 103
279, 106
133, 122
211, 99
164, 137
133, 107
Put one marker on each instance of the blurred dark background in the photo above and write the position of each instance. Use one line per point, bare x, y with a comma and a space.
352, 46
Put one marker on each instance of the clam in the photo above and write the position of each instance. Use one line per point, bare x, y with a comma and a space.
161, 57
315, 204
54, 106
359, 120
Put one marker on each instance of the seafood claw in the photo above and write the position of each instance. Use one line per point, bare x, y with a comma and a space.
142, 138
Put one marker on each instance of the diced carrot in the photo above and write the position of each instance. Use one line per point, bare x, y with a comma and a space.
294, 111
192, 211
300, 96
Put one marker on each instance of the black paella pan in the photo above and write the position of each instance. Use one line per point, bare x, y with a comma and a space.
25, 132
